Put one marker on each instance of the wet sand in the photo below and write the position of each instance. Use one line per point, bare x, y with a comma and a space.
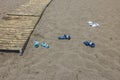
70, 60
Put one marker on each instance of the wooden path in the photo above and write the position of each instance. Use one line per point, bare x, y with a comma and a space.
18, 25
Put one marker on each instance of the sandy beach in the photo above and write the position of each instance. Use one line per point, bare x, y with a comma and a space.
69, 59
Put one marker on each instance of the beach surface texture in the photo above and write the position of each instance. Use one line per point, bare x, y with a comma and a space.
70, 59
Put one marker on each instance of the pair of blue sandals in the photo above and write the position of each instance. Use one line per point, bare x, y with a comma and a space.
89, 43
67, 37
43, 44
64, 37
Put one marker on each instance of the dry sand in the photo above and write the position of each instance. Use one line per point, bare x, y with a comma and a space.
70, 60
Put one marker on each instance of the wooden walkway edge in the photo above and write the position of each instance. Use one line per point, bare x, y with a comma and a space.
17, 27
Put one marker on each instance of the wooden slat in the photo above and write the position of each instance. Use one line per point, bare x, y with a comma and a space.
15, 37
34, 7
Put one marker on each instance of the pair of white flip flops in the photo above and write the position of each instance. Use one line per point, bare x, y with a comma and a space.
93, 24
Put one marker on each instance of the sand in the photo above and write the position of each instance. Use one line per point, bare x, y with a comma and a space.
70, 60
